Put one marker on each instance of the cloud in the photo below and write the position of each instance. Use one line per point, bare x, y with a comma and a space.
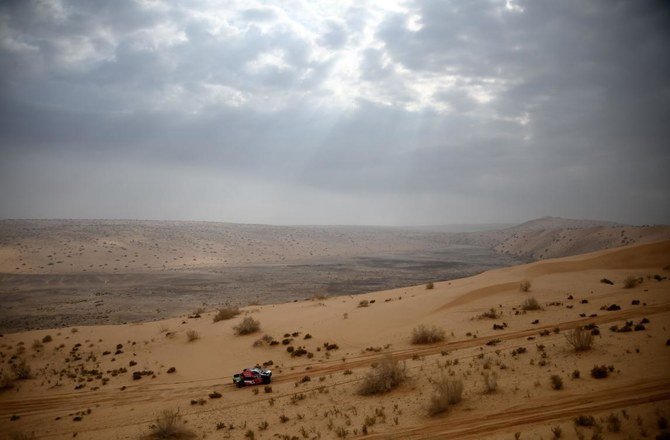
491, 110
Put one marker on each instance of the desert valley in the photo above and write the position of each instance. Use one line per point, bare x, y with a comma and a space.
323, 220
568, 347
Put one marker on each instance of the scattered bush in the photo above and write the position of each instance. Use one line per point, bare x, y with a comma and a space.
192, 335
531, 304
599, 372
489, 314
580, 339
557, 431
247, 326
556, 382
169, 425
606, 281
430, 286
427, 335
363, 303
21, 370
585, 421
524, 286
388, 375
613, 423
46, 339
518, 351
226, 313
6, 381
630, 281
448, 392
490, 382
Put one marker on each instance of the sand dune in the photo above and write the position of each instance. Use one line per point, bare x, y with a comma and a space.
68, 379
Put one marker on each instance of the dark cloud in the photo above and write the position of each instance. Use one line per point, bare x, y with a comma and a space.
429, 112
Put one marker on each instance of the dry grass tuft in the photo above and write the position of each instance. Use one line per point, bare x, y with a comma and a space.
580, 339
388, 375
427, 335
192, 335
448, 392
170, 425
430, 286
247, 326
531, 304
226, 313
6, 381
489, 314
630, 281
556, 382
524, 286
490, 382
21, 370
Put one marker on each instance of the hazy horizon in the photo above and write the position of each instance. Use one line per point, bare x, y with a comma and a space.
398, 113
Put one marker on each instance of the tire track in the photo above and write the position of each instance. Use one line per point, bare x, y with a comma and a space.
146, 392
548, 409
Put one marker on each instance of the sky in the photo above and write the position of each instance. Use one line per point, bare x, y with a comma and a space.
335, 112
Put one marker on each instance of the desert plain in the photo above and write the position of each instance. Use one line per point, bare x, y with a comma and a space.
485, 356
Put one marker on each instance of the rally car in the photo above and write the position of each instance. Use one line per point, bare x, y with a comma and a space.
252, 376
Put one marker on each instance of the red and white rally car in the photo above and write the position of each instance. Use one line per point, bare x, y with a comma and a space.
252, 376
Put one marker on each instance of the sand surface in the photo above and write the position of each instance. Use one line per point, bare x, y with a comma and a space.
77, 388
84, 272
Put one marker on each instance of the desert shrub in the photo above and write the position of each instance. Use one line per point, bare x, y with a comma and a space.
341, 432
46, 339
448, 391
226, 313
388, 375
247, 326
599, 372
556, 382
557, 431
580, 339
490, 382
613, 423
427, 335
524, 286
6, 381
21, 369
584, 421
430, 285
489, 314
363, 303
531, 304
630, 281
37, 345
606, 281
192, 335
170, 425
